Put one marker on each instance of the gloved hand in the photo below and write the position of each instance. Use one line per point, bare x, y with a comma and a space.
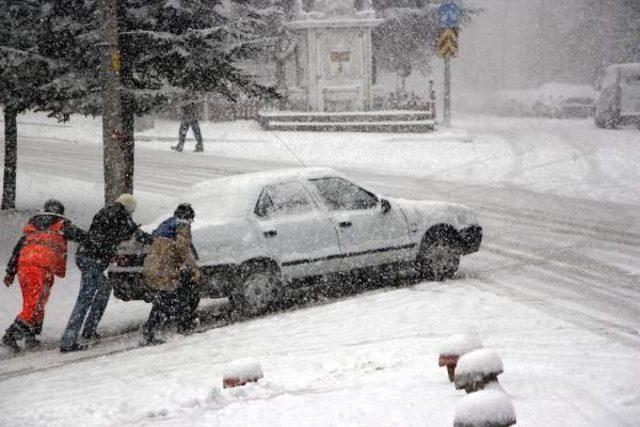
8, 280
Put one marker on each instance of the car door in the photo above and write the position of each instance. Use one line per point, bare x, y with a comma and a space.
293, 227
368, 235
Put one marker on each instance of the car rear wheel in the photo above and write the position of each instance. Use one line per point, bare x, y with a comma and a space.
257, 291
439, 256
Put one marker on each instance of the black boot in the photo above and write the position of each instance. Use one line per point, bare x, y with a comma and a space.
15, 333
9, 341
72, 348
92, 336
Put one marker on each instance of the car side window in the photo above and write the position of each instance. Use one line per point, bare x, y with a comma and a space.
283, 199
339, 194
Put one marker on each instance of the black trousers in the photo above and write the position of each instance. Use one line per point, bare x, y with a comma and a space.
184, 128
178, 306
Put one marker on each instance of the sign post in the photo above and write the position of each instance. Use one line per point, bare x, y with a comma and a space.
446, 48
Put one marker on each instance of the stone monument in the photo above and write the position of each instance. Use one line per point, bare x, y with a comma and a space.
333, 66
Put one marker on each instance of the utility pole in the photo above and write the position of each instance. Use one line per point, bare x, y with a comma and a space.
447, 47
447, 91
112, 135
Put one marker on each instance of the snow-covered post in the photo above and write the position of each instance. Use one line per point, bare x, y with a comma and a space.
487, 408
241, 372
478, 370
453, 348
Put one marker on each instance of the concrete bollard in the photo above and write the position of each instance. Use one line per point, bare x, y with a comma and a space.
453, 348
477, 369
241, 372
486, 408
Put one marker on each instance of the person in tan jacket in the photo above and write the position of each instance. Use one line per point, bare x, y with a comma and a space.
170, 269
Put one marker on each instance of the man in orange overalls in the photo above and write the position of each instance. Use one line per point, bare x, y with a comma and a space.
41, 254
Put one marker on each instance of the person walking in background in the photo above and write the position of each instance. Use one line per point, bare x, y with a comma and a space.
39, 256
170, 269
190, 115
111, 226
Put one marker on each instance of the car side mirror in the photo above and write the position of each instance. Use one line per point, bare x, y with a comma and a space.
386, 205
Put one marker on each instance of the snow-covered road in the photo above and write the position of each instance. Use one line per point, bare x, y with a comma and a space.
576, 258
555, 287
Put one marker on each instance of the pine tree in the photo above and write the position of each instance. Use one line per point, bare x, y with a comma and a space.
24, 75
177, 51
273, 42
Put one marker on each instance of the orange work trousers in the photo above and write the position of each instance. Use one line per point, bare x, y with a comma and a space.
35, 284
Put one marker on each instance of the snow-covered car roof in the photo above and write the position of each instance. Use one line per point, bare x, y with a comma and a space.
235, 196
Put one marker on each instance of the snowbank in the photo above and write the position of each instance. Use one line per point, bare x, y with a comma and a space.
460, 344
479, 363
485, 408
243, 370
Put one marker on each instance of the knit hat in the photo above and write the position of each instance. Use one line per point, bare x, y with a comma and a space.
53, 206
184, 211
128, 201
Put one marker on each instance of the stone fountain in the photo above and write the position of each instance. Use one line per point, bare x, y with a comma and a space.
333, 67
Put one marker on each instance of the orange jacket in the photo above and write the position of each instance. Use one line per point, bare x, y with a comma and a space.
45, 248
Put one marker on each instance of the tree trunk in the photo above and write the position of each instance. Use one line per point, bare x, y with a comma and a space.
111, 109
128, 109
10, 158
128, 154
128, 128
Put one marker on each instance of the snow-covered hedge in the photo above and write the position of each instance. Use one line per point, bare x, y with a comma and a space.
476, 368
460, 344
486, 408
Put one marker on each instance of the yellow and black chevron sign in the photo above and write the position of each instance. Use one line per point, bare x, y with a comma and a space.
447, 43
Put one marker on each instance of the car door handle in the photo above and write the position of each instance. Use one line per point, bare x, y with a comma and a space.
345, 224
270, 233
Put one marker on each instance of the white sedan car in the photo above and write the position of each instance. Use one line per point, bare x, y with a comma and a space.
257, 232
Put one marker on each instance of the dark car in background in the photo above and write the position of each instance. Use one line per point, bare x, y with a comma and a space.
574, 107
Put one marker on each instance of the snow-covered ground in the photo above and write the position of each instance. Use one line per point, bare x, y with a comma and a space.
554, 290
564, 157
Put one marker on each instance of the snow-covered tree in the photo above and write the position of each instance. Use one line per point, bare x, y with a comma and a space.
25, 74
273, 42
172, 51
573, 40
405, 40
177, 51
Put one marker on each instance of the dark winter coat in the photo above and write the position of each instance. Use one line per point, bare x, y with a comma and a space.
111, 226
43, 223
191, 112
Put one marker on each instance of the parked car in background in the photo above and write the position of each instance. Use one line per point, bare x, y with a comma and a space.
574, 107
618, 101
551, 100
257, 232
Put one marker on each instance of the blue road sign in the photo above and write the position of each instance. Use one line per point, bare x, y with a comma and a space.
448, 14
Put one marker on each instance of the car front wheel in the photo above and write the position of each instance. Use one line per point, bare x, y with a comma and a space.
439, 256
256, 293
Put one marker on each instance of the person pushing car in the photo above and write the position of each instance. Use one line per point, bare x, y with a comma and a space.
39, 256
171, 271
111, 226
